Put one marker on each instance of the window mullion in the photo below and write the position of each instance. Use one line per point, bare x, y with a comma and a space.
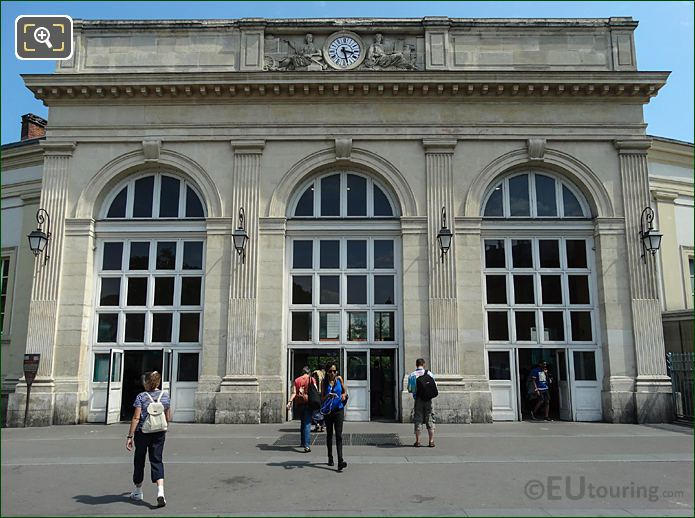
130, 199
533, 209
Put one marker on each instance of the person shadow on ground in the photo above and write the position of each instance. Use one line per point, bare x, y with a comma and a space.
292, 464
111, 499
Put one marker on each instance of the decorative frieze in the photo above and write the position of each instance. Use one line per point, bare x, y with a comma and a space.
342, 50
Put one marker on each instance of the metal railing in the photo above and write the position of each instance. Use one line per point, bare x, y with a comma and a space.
680, 368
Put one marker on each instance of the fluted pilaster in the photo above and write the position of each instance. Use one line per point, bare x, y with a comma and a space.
241, 332
646, 310
43, 306
444, 357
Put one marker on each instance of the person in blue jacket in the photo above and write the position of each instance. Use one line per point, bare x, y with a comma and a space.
333, 407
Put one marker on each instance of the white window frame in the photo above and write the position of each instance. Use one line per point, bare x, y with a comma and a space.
687, 255
342, 271
316, 183
8, 254
538, 307
129, 183
149, 309
533, 208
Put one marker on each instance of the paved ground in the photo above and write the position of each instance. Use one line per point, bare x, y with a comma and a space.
539, 469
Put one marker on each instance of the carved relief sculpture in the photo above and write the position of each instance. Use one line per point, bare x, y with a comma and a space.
379, 59
307, 57
343, 50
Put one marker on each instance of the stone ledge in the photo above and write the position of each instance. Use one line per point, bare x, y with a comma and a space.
171, 87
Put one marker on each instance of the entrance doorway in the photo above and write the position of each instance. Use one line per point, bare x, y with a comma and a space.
135, 364
117, 380
370, 375
575, 382
557, 374
382, 384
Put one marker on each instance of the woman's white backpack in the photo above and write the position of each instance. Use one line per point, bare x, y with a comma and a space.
156, 421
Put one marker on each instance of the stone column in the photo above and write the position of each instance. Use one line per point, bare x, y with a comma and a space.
416, 329
271, 345
239, 398
219, 253
443, 311
615, 321
43, 308
472, 318
652, 387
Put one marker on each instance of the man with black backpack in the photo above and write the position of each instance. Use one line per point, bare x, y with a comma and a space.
422, 386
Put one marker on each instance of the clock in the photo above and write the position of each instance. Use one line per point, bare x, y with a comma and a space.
344, 50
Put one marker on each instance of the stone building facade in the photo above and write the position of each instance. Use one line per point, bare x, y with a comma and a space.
348, 144
671, 177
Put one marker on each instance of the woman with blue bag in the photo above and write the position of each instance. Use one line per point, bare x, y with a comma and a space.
333, 408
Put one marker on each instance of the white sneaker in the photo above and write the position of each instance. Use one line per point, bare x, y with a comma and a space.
136, 494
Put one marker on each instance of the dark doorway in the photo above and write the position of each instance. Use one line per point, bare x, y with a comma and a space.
528, 359
382, 378
135, 364
315, 359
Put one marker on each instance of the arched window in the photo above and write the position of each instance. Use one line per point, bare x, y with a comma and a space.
539, 293
342, 195
534, 194
150, 291
157, 195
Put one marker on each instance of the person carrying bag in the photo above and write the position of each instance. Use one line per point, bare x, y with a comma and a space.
147, 433
333, 408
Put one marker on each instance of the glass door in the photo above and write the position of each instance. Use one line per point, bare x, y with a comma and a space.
167, 359
115, 385
357, 381
563, 385
585, 374
501, 375
184, 383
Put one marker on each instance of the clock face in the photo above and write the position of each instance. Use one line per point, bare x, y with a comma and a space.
344, 51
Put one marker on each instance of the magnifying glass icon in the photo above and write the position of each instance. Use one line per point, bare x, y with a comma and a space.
41, 35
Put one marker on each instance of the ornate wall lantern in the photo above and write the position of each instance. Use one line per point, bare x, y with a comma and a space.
444, 236
38, 239
240, 236
649, 236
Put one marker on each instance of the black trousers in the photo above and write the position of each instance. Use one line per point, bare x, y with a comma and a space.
334, 421
152, 443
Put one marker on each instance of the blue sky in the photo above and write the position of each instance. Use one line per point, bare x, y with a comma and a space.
664, 39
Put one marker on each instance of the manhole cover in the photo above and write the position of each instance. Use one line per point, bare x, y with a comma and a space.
375, 439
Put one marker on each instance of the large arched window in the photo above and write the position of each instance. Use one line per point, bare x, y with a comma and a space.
539, 294
157, 195
149, 290
342, 195
534, 194
344, 287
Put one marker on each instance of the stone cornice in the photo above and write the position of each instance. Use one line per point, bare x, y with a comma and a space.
58, 148
171, 87
317, 23
22, 156
247, 147
632, 147
439, 145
